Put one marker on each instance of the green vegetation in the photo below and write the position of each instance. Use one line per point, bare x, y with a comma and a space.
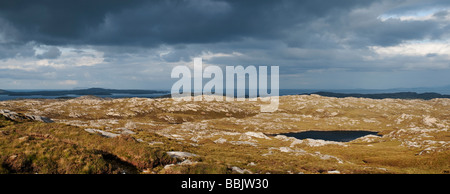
33, 147
226, 137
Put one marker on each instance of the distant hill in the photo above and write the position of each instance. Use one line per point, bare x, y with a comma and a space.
107, 92
90, 91
397, 95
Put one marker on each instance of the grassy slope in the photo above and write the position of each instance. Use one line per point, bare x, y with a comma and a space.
33, 147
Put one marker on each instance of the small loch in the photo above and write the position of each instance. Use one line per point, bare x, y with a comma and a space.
340, 136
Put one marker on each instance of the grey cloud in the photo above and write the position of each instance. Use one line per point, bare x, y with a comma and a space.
393, 31
414, 6
51, 53
57, 22
17, 74
152, 23
330, 38
12, 50
441, 14
314, 24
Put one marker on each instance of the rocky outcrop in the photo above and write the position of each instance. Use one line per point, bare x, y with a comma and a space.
240, 171
101, 132
368, 139
39, 118
421, 138
112, 132
11, 115
257, 135
18, 116
177, 154
308, 142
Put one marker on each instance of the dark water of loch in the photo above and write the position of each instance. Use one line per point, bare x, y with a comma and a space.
341, 136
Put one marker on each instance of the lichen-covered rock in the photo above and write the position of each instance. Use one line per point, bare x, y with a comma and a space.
39, 118
177, 154
101, 132
17, 116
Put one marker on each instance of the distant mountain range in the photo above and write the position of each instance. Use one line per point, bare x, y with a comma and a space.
376, 94
89, 91
440, 90
397, 95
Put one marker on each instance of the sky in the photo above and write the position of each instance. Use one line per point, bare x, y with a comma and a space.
317, 44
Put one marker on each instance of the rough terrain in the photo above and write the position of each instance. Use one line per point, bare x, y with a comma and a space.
141, 135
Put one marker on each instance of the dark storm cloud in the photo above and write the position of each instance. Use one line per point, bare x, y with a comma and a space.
313, 23
394, 31
57, 22
121, 43
150, 23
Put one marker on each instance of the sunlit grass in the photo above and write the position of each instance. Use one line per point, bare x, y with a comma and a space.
162, 125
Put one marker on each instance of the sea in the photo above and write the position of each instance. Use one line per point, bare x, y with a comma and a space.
282, 92
113, 95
